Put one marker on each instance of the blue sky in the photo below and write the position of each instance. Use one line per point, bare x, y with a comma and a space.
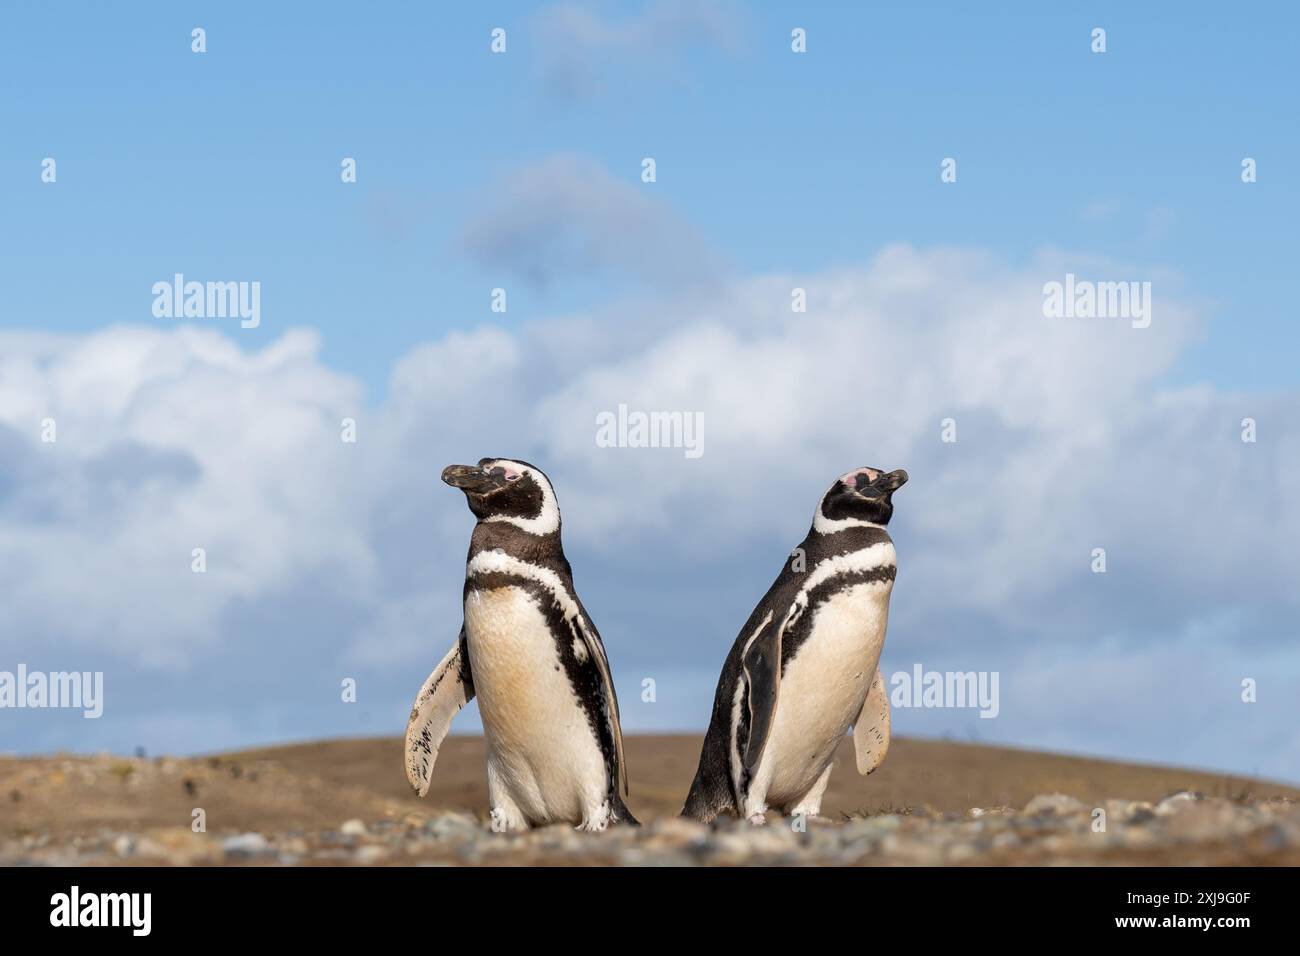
774, 169
228, 162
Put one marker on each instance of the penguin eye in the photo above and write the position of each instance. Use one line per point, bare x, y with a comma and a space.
510, 477
863, 480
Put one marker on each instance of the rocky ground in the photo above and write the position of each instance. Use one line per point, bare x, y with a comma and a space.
268, 808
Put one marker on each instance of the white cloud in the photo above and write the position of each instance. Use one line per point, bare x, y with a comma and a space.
1067, 440
206, 446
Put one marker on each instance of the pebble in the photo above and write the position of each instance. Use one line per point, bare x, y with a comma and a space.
370, 854
1176, 802
453, 826
1057, 804
1122, 811
245, 845
1184, 828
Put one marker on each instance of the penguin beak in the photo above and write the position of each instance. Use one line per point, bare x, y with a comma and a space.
469, 478
891, 482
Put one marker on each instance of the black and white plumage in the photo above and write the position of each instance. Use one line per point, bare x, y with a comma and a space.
531, 654
804, 667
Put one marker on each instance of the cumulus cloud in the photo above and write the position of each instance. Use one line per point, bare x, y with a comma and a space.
165, 442
1068, 439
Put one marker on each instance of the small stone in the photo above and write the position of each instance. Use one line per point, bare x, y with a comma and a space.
1176, 802
452, 826
1138, 811
150, 848
354, 827
1006, 840
176, 845
244, 845
370, 854
294, 846
727, 848
885, 823
960, 853
1054, 804
677, 831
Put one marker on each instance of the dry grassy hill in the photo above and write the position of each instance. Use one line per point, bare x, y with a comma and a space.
319, 785
346, 802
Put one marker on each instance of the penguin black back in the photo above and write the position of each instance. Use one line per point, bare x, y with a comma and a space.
847, 546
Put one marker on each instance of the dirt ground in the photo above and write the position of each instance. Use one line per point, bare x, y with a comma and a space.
317, 786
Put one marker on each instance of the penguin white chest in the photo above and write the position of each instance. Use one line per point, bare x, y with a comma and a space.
542, 751
824, 687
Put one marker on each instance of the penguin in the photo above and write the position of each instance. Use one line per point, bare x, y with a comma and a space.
531, 654
804, 667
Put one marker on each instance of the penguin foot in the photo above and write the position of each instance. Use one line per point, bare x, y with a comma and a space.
810, 813
595, 822
503, 821
758, 818
807, 817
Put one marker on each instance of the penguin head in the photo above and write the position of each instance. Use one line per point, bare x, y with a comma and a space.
504, 489
863, 494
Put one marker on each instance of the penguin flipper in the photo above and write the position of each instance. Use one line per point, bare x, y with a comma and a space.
871, 729
596, 652
761, 660
443, 694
